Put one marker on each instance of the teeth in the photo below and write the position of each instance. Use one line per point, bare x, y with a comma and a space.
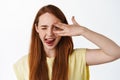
49, 39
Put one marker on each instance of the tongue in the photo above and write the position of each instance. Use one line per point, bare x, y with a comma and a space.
49, 41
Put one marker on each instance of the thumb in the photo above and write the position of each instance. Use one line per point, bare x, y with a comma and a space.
73, 20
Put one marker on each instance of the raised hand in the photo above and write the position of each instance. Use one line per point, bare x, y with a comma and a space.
68, 30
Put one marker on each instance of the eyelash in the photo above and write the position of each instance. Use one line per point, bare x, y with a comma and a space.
54, 28
43, 28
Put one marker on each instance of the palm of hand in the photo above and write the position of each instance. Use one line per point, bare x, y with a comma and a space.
69, 30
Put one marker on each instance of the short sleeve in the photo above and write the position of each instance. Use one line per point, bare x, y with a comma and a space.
21, 68
78, 68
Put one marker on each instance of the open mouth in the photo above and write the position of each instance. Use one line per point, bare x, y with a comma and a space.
49, 42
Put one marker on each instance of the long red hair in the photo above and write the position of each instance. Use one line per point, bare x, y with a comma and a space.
37, 57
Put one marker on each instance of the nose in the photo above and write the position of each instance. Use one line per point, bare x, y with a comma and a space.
50, 32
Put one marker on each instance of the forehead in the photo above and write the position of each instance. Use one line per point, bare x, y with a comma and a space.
48, 18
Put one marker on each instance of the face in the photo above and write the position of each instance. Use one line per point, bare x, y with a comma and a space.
45, 30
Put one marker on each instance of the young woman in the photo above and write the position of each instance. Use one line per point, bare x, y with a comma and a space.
51, 55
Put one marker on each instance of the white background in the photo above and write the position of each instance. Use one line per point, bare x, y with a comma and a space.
16, 18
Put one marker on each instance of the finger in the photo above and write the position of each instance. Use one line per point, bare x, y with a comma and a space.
59, 25
59, 33
62, 34
73, 20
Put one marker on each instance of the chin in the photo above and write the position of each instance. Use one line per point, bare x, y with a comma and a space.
50, 47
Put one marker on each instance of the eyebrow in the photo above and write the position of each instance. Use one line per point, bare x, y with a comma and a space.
43, 25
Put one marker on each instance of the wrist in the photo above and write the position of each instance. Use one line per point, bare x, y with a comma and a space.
84, 30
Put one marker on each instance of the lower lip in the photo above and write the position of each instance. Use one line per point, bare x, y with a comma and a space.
50, 43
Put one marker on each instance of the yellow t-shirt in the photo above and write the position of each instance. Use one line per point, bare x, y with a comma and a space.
78, 70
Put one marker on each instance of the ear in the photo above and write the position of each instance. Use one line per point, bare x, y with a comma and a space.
36, 28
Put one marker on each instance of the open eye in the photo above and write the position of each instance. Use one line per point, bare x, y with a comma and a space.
56, 28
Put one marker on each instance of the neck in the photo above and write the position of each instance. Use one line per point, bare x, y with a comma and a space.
50, 53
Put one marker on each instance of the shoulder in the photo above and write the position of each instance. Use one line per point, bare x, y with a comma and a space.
78, 54
77, 62
22, 60
21, 67
79, 51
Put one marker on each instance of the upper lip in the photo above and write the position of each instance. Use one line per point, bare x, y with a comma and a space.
49, 39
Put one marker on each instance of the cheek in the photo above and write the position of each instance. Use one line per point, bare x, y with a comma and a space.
57, 35
58, 38
41, 34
